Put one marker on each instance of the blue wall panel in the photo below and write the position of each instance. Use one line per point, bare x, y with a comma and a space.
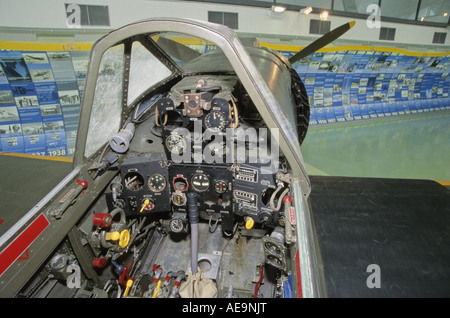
367, 84
40, 92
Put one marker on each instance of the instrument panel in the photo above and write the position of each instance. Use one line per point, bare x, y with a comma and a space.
144, 187
212, 183
157, 183
152, 184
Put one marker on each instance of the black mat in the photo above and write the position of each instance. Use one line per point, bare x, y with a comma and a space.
24, 182
403, 226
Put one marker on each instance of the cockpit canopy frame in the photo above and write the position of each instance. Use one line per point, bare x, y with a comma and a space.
117, 106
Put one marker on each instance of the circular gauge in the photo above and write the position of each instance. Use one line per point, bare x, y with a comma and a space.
133, 181
157, 183
200, 182
215, 121
180, 183
176, 225
176, 144
179, 199
220, 186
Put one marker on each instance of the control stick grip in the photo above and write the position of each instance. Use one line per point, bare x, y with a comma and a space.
192, 208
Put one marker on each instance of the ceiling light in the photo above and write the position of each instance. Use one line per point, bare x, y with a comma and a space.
278, 9
445, 14
307, 10
324, 15
422, 18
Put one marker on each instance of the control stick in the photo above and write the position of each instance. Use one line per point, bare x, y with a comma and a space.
193, 220
196, 286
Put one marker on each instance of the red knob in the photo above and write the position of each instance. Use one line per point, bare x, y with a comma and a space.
99, 262
82, 183
287, 198
102, 219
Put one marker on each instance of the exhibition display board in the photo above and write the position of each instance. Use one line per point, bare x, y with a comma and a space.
41, 89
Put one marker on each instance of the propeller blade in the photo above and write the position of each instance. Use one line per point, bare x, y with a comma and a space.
322, 41
177, 50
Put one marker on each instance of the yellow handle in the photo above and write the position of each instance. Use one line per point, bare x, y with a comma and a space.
129, 284
124, 238
112, 236
249, 223
157, 289
147, 201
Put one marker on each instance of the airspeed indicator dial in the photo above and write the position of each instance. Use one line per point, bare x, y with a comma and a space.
215, 121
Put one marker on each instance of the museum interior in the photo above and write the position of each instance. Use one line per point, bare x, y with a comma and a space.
375, 114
